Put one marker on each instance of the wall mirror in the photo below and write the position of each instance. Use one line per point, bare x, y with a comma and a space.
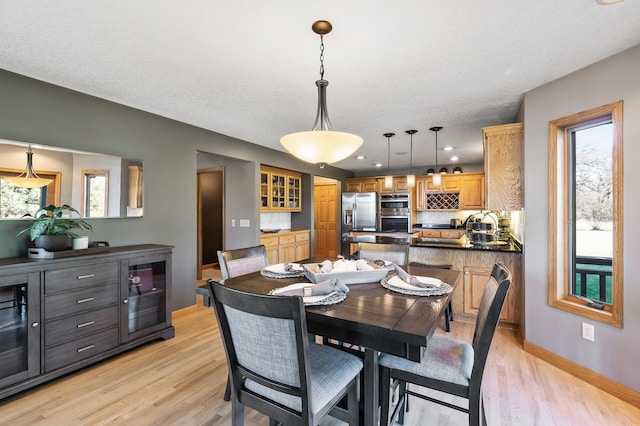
97, 185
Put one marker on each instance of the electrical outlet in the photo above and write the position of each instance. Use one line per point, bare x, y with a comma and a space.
245, 223
588, 332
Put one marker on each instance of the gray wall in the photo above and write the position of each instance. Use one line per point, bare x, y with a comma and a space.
616, 351
33, 111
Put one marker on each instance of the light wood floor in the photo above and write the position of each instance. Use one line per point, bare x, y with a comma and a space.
181, 381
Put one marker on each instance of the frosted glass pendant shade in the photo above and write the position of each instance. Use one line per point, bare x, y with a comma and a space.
388, 182
437, 179
321, 146
411, 181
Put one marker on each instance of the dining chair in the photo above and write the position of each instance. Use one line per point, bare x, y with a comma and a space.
396, 253
449, 365
242, 261
448, 311
274, 367
234, 263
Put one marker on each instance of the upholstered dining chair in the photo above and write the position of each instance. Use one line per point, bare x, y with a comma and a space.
396, 253
450, 365
234, 263
274, 367
448, 311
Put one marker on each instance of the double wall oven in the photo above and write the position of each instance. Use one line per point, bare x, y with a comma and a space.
394, 212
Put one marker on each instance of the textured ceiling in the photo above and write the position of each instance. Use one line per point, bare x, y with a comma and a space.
247, 68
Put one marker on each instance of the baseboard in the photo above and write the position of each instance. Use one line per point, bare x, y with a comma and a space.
184, 311
614, 388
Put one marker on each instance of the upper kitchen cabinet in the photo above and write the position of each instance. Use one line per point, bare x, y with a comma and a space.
503, 166
464, 191
399, 184
280, 190
369, 184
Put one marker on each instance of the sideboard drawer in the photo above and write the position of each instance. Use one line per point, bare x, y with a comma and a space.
76, 350
72, 302
58, 280
79, 325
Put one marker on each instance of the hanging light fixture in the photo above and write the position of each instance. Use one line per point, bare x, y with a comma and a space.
437, 177
411, 178
28, 178
322, 145
388, 179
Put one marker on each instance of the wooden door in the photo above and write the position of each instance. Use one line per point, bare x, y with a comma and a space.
210, 212
325, 205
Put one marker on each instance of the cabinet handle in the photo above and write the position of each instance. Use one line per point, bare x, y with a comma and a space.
85, 324
125, 301
81, 277
88, 299
85, 348
35, 324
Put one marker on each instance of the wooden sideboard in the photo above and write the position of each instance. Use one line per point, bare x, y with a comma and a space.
60, 315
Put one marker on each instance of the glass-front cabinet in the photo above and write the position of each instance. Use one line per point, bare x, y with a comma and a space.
19, 327
144, 299
280, 190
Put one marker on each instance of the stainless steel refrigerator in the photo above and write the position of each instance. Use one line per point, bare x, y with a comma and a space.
359, 211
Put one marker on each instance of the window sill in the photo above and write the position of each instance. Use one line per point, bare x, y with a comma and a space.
582, 309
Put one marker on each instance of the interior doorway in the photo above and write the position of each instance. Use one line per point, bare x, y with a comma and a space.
210, 217
325, 222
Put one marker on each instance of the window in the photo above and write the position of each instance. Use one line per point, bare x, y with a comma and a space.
15, 202
95, 193
585, 222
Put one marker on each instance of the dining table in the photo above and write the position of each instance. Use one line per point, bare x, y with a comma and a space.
372, 317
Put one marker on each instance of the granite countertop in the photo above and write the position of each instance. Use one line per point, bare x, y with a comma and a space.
510, 246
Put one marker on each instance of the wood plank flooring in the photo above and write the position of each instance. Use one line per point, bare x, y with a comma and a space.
181, 382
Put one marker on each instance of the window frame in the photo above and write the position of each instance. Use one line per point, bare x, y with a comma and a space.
84, 194
559, 214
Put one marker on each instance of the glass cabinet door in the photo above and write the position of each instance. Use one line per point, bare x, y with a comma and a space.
264, 190
278, 189
293, 193
144, 298
19, 327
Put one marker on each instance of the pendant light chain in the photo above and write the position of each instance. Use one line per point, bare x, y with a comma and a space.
321, 57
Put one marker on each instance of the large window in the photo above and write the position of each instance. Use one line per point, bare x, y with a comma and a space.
585, 204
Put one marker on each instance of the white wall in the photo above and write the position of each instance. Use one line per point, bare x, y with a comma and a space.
616, 351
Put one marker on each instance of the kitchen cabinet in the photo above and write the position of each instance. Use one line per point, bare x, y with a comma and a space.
443, 233
399, 184
503, 166
66, 313
362, 185
280, 190
460, 191
476, 267
284, 246
472, 191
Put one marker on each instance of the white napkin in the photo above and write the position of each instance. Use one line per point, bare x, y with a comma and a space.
322, 288
416, 281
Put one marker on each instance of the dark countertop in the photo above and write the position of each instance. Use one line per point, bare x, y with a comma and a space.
511, 246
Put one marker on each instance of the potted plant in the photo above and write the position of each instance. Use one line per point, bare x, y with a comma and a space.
53, 232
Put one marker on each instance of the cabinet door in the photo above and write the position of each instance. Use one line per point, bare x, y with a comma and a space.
369, 185
450, 183
270, 243
472, 192
421, 188
400, 184
503, 158
264, 190
475, 281
145, 286
278, 192
293, 194
354, 186
287, 253
302, 246
20, 341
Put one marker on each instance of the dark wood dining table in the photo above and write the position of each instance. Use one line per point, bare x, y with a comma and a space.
377, 319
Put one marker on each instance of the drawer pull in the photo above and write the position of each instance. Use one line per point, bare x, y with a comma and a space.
88, 299
85, 324
85, 348
81, 277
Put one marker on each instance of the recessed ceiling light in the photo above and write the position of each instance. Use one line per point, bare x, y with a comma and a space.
605, 2
447, 148
360, 157
378, 164
454, 158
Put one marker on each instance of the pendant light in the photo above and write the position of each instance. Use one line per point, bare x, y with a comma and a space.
28, 178
388, 179
322, 145
437, 177
411, 178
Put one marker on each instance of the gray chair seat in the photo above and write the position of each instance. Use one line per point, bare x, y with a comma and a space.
331, 370
446, 359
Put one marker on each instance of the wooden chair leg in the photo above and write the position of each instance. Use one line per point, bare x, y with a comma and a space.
385, 389
403, 399
237, 413
475, 406
353, 406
